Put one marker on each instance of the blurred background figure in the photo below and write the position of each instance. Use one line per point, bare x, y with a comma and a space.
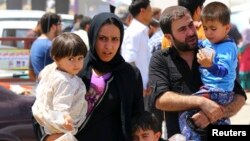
123, 13
156, 13
112, 8
75, 25
135, 48
244, 59
155, 34
36, 32
237, 37
77, 20
40, 50
154, 25
195, 7
235, 34
83, 30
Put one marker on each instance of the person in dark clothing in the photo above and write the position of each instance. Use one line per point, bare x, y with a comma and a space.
237, 37
112, 8
174, 76
75, 25
235, 34
114, 87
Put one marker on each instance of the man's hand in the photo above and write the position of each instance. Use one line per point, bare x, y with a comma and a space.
200, 119
212, 110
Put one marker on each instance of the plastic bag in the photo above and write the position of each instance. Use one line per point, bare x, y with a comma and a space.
177, 137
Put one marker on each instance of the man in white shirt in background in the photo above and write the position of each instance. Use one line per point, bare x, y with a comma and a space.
135, 48
83, 31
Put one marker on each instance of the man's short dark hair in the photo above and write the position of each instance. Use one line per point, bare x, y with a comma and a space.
169, 15
85, 21
78, 17
136, 5
49, 19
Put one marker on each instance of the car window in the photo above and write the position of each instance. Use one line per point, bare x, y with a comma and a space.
14, 33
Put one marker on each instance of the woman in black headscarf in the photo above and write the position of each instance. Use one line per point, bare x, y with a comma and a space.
114, 87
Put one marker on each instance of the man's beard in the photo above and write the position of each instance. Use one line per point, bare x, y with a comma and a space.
183, 46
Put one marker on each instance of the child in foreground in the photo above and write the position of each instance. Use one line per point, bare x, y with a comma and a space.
218, 62
60, 105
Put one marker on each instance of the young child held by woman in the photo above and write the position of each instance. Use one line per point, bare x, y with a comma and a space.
60, 105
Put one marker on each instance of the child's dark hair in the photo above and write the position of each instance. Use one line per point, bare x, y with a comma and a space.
146, 121
171, 14
68, 44
216, 11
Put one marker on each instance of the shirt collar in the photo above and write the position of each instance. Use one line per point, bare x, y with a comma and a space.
140, 26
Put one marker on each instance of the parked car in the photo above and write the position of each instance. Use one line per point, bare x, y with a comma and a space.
15, 29
16, 116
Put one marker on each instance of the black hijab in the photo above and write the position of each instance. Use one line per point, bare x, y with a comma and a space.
127, 79
92, 58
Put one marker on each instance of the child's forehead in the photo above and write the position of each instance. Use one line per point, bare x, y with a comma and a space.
141, 131
214, 22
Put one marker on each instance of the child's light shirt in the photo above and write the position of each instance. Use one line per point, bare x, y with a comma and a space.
58, 94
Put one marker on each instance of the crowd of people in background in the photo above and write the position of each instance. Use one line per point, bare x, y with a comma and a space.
141, 69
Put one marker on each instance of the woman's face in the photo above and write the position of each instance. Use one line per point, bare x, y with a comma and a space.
108, 42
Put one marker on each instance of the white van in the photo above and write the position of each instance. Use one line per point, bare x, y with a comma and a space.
17, 23
15, 29
14, 55
31, 15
